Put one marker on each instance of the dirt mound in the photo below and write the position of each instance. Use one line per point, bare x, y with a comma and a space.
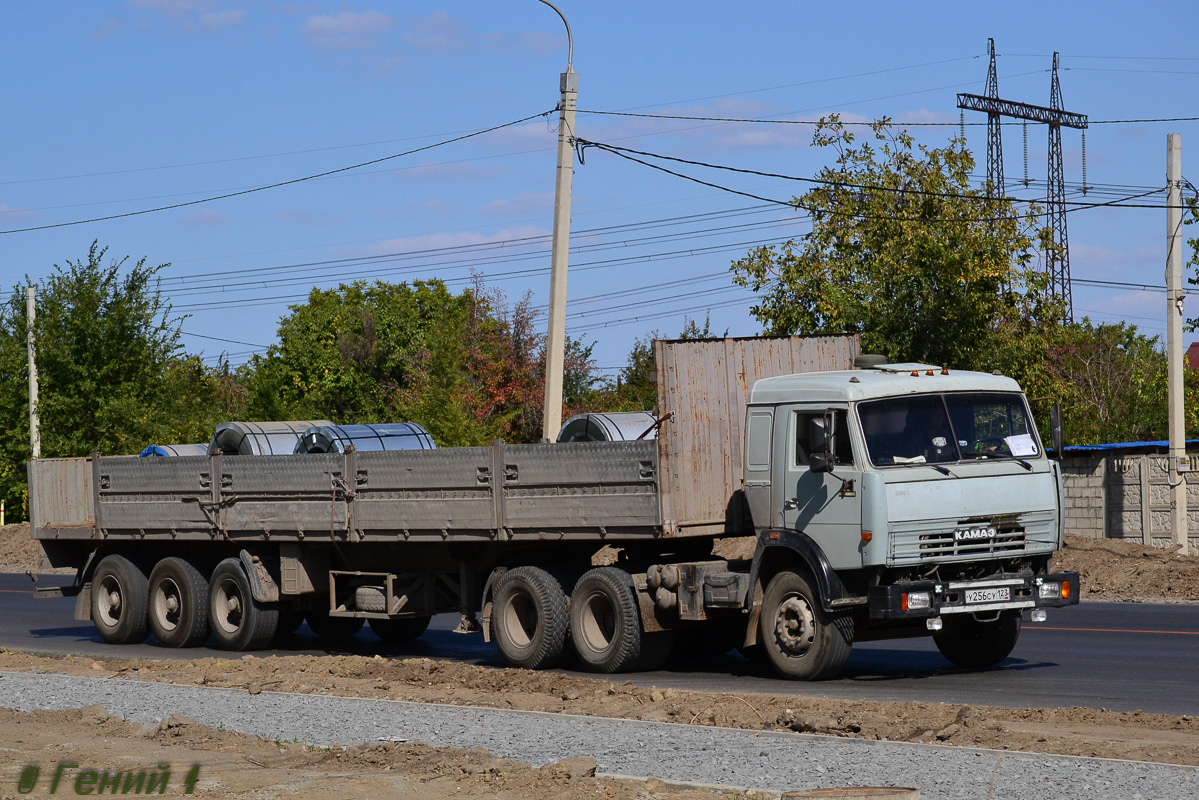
234, 765
18, 550
1112, 569
1069, 731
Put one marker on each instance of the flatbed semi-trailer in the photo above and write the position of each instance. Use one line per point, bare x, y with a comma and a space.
859, 535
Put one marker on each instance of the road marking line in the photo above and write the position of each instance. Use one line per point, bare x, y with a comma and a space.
1109, 630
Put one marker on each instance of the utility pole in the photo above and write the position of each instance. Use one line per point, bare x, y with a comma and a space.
35, 433
555, 345
1174, 297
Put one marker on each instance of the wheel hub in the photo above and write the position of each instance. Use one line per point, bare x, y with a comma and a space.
795, 625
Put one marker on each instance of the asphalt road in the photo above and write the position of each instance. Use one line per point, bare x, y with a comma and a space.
1119, 656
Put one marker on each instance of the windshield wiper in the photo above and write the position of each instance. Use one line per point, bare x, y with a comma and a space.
1006, 456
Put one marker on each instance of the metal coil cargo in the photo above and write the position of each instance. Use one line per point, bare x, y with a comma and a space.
261, 438
170, 450
391, 436
619, 426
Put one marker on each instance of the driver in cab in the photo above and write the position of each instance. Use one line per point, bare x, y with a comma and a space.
928, 434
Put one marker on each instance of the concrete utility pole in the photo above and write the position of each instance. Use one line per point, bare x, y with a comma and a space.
555, 346
1174, 297
35, 433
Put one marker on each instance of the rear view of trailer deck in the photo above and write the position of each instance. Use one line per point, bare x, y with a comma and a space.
244, 548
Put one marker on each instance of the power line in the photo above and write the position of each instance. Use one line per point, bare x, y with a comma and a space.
229, 160
219, 339
580, 267
497, 244
912, 124
475, 263
279, 184
626, 153
807, 83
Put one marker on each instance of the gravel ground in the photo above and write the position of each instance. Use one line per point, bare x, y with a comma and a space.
765, 760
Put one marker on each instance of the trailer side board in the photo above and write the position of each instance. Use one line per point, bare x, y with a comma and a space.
705, 385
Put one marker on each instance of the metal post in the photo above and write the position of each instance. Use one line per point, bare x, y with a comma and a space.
35, 433
555, 346
1174, 298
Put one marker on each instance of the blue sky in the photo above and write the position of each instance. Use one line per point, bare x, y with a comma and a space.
117, 107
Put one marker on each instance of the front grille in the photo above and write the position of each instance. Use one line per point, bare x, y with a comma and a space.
932, 540
942, 544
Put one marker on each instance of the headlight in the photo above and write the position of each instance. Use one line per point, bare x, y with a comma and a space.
916, 601
1050, 589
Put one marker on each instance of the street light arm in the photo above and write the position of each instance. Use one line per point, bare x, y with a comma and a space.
570, 42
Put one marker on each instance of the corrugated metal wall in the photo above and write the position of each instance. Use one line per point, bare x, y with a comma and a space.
705, 384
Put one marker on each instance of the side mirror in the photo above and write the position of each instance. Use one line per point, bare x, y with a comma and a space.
821, 435
1057, 439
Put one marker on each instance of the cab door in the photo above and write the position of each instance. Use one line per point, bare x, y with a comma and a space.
825, 506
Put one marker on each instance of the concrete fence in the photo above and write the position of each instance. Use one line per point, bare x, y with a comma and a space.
1125, 495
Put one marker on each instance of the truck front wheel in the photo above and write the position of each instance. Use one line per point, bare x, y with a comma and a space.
802, 640
528, 618
119, 593
970, 643
238, 621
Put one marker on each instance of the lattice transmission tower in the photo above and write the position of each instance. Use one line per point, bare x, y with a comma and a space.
1057, 258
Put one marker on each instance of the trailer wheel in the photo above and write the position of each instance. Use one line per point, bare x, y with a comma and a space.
178, 600
976, 645
238, 621
605, 620
528, 619
403, 629
332, 629
802, 640
119, 593
290, 620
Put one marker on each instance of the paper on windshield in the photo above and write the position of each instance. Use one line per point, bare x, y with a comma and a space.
1022, 445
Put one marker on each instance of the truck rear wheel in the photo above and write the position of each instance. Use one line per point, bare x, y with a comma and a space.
332, 629
802, 640
399, 629
178, 600
528, 618
605, 620
238, 621
119, 594
970, 643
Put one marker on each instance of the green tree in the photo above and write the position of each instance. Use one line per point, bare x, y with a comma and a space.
468, 366
903, 250
636, 388
112, 375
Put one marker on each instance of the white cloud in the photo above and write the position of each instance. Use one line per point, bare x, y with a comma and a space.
223, 19
441, 33
432, 241
14, 214
522, 204
107, 28
174, 7
438, 33
308, 218
205, 217
1091, 261
450, 171
349, 30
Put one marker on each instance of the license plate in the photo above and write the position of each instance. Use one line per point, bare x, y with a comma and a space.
999, 594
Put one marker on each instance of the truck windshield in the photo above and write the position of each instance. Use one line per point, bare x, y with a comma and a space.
929, 429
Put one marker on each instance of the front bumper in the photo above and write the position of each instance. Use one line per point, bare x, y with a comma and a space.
1023, 592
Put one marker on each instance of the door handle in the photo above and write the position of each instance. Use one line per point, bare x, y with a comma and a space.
790, 504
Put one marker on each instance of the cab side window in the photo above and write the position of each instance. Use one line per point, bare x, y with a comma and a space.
843, 451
